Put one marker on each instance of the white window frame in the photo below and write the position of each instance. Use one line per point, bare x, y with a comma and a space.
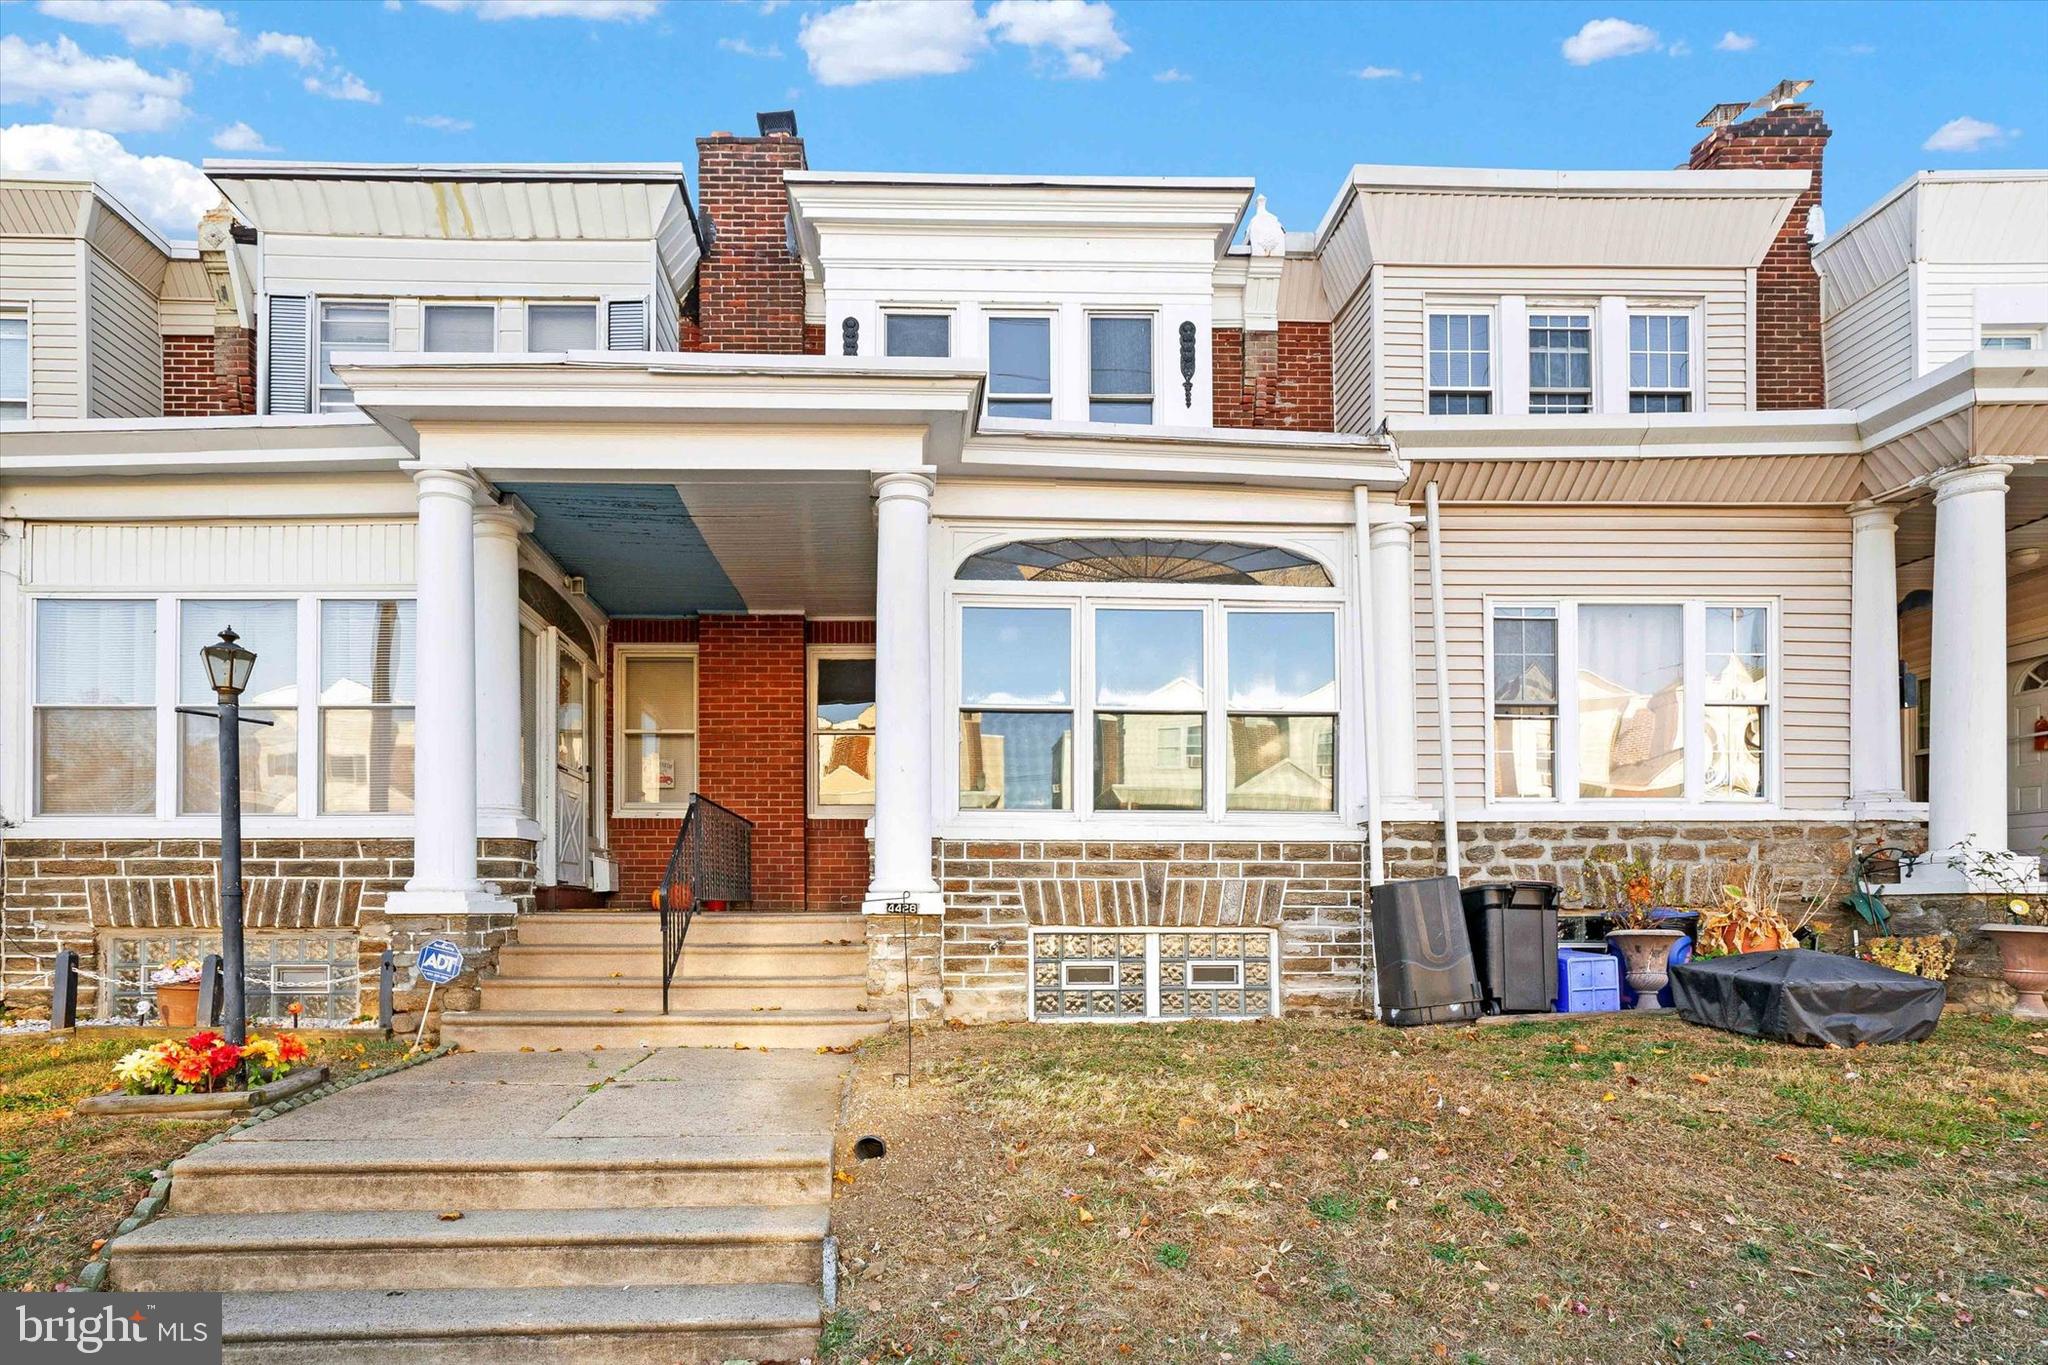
913, 310
1214, 602
623, 656
318, 736
427, 307
990, 317
164, 819
1695, 391
1150, 316
1999, 338
1450, 308
320, 306
27, 313
813, 735
527, 306
1589, 311
1694, 799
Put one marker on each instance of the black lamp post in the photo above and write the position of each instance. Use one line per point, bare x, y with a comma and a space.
227, 668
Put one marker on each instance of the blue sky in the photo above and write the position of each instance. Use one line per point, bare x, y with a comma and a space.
136, 91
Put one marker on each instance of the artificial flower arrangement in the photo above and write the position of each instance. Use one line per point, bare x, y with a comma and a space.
179, 971
206, 1062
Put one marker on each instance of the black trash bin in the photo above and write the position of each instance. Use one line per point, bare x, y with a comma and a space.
1513, 929
1423, 954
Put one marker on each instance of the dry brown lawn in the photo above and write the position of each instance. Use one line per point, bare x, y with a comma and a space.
66, 1180
1612, 1190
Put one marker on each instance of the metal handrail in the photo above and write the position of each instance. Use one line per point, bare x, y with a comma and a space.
713, 860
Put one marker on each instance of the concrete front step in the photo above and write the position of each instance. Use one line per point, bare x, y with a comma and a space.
656, 1325
621, 928
511, 1030
343, 1175
487, 1247
642, 995
590, 928
522, 961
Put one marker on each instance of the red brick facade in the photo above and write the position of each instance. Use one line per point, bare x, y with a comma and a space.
210, 376
750, 287
1789, 370
752, 755
1276, 381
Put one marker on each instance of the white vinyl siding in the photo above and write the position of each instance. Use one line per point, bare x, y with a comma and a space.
1351, 365
1868, 347
1796, 562
1950, 324
40, 277
124, 349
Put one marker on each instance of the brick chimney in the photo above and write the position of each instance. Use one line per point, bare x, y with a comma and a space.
1788, 355
750, 284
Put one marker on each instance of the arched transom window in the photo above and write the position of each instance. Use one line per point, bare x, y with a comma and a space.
2035, 678
1123, 559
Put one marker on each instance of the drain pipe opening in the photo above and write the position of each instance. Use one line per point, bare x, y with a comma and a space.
869, 1147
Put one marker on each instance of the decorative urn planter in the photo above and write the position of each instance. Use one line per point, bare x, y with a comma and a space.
177, 1005
2023, 958
1645, 955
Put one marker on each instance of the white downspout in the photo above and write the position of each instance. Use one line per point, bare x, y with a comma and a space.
1446, 770
1376, 856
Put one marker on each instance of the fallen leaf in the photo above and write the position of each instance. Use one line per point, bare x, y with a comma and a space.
1789, 1158
1700, 1078
1086, 1216
453, 1215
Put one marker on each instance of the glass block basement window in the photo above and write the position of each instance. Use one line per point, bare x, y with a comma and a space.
312, 970
1141, 974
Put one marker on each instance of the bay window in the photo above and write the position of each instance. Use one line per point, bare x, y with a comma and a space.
1642, 701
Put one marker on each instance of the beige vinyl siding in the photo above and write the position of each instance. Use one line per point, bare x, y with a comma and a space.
41, 273
124, 350
186, 305
1868, 346
1406, 291
1798, 559
393, 267
1948, 308
2026, 626
1351, 365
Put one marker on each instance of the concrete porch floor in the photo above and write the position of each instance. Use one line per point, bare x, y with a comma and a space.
671, 1202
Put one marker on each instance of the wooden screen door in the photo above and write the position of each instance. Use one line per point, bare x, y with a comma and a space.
572, 770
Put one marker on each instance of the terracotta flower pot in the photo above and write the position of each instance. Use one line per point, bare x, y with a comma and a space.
2023, 956
178, 1006
1644, 955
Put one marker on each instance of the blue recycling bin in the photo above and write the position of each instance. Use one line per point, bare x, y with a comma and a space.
1588, 981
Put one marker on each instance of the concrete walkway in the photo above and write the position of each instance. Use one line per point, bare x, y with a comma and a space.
670, 1203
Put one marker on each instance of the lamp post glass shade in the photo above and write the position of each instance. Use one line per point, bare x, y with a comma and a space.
228, 665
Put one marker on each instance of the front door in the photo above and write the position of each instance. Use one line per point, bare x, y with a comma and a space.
2027, 737
572, 770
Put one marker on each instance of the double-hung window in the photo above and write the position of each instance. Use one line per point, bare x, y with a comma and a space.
1149, 704
95, 707
842, 730
1020, 367
13, 365
1560, 362
1016, 708
368, 649
561, 327
346, 327
1120, 369
1460, 363
1659, 362
657, 730
460, 327
1631, 701
917, 334
1282, 711
269, 753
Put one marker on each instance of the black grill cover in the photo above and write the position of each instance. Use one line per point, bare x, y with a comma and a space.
1799, 995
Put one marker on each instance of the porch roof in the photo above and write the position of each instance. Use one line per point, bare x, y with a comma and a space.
1983, 405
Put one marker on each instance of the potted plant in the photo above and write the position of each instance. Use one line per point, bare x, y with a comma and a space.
2022, 939
1630, 890
177, 992
1749, 918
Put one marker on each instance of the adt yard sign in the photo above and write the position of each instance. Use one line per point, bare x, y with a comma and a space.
440, 962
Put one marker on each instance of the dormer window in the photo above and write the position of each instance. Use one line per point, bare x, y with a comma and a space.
1993, 338
461, 327
1020, 367
13, 365
346, 327
1460, 364
561, 327
1120, 369
1660, 362
917, 334
1560, 362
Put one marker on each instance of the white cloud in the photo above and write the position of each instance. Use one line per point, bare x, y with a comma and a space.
886, 40
1681, 48
1731, 41
240, 137
208, 32
293, 47
1381, 73
1601, 39
1082, 31
110, 93
1967, 134
166, 191
599, 11
342, 85
440, 123
1173, 75
743, 48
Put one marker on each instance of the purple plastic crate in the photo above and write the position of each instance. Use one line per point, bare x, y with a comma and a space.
1588, 982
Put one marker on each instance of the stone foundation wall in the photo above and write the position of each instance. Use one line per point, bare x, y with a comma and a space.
70, 893
904, 973
996, 891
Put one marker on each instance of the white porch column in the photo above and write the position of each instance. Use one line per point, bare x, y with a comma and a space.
1393, 652
1875, 771
1967, 763
500, 770
903, 696
444, 880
